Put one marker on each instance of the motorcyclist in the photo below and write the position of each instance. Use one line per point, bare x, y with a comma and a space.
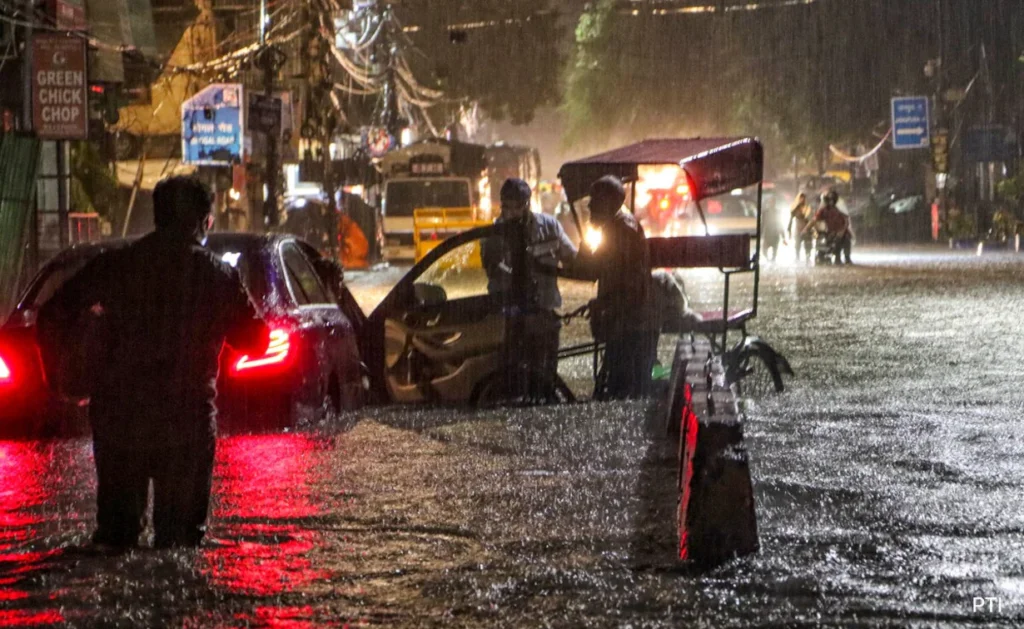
621, 315
837, 227
166, 305
800, 214
535, 324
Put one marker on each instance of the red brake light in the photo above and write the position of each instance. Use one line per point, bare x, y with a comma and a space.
277, 352
5, 372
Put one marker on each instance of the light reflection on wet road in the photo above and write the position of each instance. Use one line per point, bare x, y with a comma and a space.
888, 479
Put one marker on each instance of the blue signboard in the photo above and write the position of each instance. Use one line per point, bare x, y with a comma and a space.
212, 126
910, 122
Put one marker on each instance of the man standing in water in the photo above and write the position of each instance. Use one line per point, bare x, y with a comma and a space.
800, 215
621, 315
536, 326
165, 306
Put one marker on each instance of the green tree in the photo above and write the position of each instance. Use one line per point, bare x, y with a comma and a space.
502, 55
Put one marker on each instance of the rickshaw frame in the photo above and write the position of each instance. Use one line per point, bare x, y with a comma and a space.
712, 166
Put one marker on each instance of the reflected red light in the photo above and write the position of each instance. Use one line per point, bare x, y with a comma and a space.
18, 618
689, 436
261, 492
22, 472
281, 617
276, 354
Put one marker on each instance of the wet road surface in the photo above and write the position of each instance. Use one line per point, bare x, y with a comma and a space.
888, 479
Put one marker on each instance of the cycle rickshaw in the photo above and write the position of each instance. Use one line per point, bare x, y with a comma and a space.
700, 169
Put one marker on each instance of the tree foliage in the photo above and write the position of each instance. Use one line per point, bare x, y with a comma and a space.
800, 76
502, 55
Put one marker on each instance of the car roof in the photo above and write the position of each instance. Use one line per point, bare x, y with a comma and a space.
219, 242
216, 240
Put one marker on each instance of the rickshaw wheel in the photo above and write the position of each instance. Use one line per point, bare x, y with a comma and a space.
758, 382
492, 392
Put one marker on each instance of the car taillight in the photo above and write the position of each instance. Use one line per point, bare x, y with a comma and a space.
276, 354
5, 372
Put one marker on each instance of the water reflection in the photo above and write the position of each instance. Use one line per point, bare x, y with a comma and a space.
26, 471
262, 503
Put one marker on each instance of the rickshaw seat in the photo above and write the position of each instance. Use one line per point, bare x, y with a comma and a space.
712, 320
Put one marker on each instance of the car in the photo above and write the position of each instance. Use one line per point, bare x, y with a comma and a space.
312, 366
724, 214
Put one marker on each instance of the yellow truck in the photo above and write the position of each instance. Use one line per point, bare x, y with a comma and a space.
432, 225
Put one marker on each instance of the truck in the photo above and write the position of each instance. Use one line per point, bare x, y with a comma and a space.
507, 160
431, 175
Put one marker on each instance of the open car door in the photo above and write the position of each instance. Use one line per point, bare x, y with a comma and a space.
439, 335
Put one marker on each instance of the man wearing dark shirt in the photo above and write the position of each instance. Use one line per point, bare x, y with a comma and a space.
165, 306
621, 313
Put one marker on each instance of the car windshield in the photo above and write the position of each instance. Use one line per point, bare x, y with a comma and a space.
403, 197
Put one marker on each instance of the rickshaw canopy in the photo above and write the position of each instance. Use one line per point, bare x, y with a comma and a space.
713, 165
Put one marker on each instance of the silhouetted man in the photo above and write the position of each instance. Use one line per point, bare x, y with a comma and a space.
166, 306
621, 315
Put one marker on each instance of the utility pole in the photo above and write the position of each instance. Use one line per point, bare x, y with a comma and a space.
269, 63
320, 119
941, 129
390, 117
26, 121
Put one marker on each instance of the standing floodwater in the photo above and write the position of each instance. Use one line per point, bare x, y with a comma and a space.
889, 482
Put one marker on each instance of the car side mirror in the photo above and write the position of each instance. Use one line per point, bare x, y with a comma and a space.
429, 294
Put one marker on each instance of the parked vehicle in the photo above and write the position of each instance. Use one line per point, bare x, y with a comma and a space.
430, 174
311, 367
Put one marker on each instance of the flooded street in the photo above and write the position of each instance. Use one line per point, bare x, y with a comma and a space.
889, 482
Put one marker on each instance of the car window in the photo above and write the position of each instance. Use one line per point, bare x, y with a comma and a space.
459, 273
302, 279
250, 264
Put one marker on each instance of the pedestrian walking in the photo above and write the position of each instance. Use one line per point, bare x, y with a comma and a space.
800, 215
